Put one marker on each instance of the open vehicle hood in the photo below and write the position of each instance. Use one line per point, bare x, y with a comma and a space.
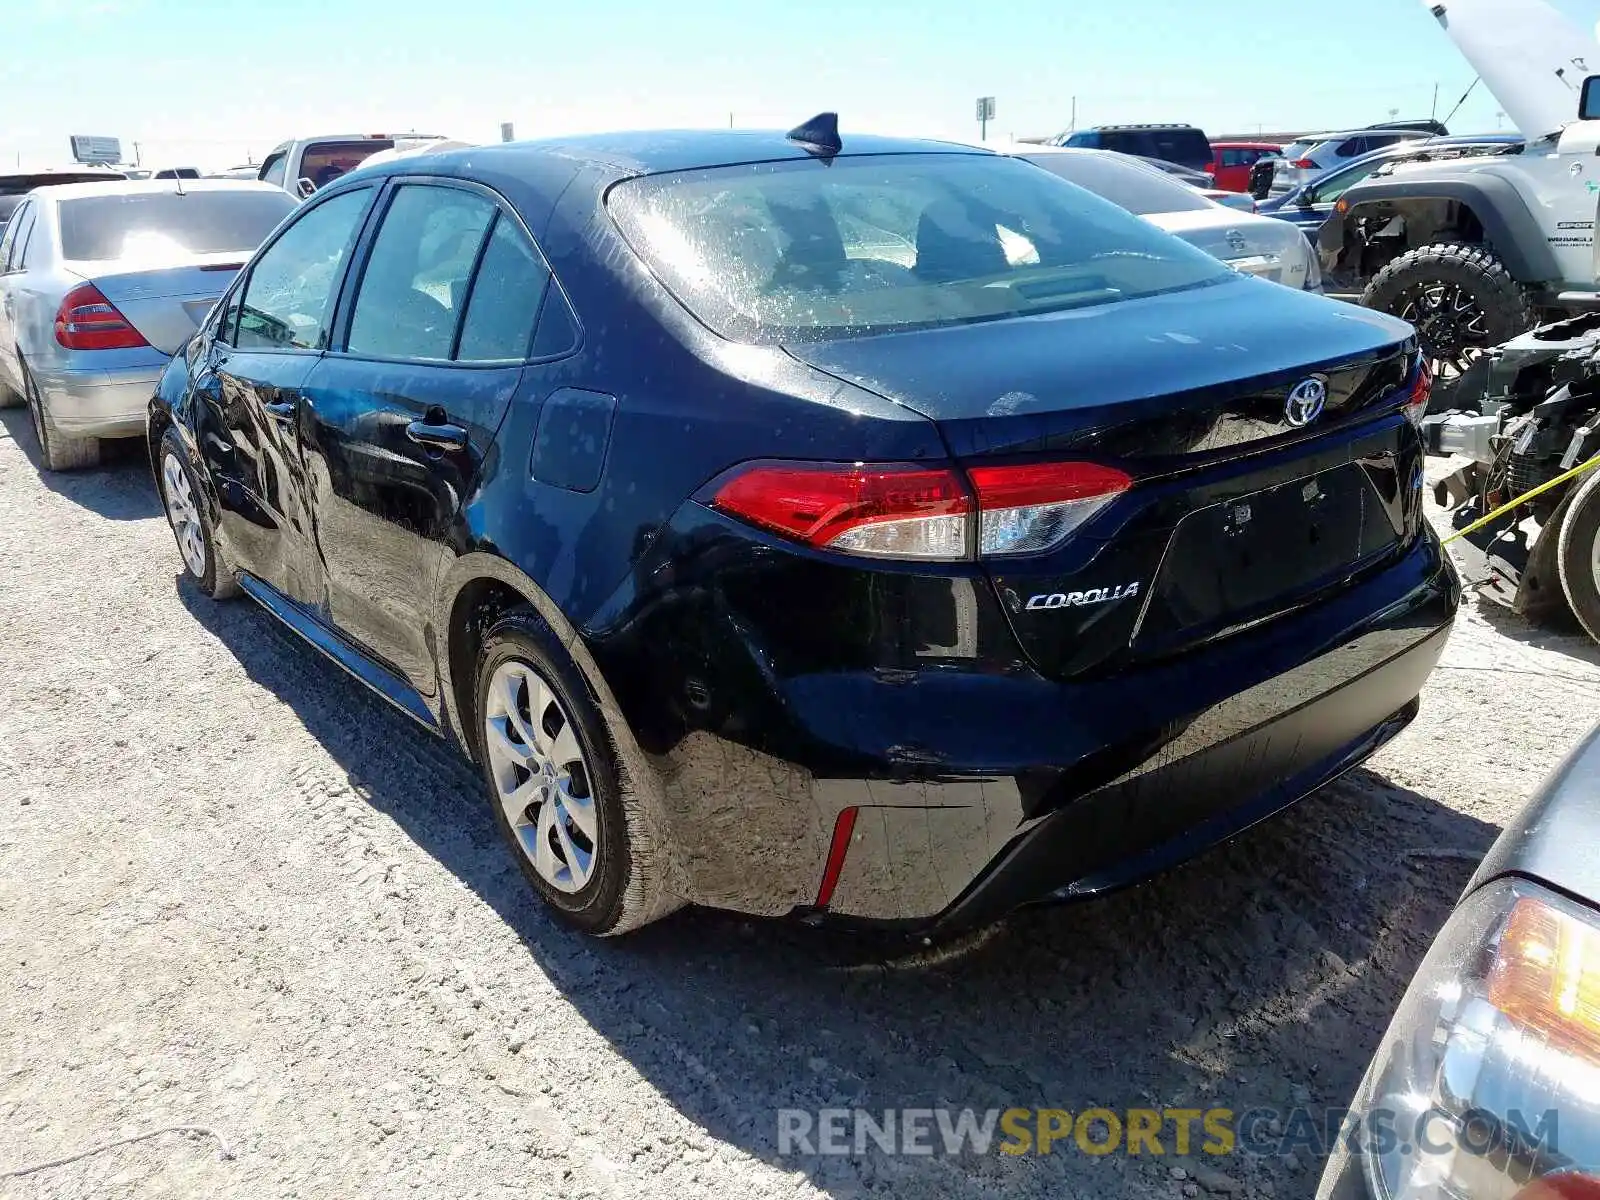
1532, 59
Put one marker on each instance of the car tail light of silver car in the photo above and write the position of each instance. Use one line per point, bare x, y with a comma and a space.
86, 320
1488, 1079
910, 511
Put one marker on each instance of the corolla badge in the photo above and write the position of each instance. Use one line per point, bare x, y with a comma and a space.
1306, 400
1079, 599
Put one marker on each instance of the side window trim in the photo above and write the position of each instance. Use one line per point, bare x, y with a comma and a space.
19, 235
364, 225
472, 285
339, 338
26, 240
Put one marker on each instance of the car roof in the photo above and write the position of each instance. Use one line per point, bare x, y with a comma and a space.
1236, 145
650, 152
142, 187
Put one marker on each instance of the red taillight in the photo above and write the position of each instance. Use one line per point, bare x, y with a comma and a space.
1303, 164
843, 829
86, 320
894, 511
1416, 405
910, 511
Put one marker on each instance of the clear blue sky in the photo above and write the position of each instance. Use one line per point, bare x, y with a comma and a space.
209, 82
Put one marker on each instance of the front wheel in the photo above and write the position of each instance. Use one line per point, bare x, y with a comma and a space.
1578, 553
1463, 302
580, 834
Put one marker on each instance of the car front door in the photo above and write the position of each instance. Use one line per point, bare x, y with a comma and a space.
250, 378
429, 352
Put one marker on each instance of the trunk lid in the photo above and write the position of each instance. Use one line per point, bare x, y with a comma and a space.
1237, 512
164, 303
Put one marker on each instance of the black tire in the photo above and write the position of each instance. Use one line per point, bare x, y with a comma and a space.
217, 578
1427, 287
57, 451
627, 889
1578, 553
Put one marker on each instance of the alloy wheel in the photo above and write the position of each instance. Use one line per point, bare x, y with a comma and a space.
541, 778
184, 514
1451, 326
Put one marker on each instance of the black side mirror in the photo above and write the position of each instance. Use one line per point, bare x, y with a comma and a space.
1308, 197
1589, 99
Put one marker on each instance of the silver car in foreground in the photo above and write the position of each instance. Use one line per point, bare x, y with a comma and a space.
1274, 250
101, 282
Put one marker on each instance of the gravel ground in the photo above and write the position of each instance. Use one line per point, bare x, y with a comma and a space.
237, 892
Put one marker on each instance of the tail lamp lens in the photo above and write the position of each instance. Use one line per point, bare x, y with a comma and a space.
1416, 405
910, 511
86, 320
1304, 164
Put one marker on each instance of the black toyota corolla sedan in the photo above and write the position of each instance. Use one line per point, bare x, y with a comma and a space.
878, 531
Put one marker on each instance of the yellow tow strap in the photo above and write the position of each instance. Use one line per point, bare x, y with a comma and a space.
1526, 496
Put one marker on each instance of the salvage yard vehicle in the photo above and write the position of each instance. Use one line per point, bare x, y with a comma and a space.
302, 165
1478, 250
1484, 1084
1310, 205
1301, 162
859, 530
14, 186
1537, 418
1231, 162
1181, 144
1247, 243
100, 283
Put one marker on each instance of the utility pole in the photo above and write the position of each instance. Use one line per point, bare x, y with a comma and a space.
730, 120
136, 161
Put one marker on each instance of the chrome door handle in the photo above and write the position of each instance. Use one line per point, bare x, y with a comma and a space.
437, 437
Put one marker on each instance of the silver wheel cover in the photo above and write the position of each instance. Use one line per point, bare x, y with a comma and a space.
184, 514
540, 776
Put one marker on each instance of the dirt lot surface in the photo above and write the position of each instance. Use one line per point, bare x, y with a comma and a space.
238, 892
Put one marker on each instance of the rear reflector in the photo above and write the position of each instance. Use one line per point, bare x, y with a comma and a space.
843, 829
916, 512
86, 320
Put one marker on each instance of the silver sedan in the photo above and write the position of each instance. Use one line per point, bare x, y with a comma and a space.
101, 282
1272, 249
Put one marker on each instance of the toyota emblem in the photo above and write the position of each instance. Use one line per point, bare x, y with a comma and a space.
1236, 241
1306, 399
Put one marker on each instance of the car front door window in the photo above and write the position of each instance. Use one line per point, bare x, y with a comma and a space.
289, 296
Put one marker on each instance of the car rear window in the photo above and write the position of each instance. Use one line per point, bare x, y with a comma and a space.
1141, 190
1295, 151
1186, 146
811, 250
323, 162
95, 228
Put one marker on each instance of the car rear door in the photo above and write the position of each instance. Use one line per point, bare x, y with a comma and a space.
250, 378
430, 351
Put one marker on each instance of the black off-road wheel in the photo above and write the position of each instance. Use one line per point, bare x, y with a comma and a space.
1463, 302
1578, 553
580, 833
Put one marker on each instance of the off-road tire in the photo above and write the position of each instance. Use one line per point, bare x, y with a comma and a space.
1578, 553
219, 580
1471, 266
57, 451
628, 889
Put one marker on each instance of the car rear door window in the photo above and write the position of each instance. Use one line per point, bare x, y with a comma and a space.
9, 241
22, 226
277, 166
288, 297
506, 295
414, 286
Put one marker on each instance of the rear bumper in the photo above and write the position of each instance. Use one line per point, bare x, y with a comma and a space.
1050, 791
105, 404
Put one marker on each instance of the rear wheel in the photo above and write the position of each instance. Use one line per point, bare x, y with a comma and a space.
579, 832
1578, 553
1463, 302
57, 451
191, 522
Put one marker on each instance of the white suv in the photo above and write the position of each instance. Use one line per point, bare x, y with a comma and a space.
1302, 161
